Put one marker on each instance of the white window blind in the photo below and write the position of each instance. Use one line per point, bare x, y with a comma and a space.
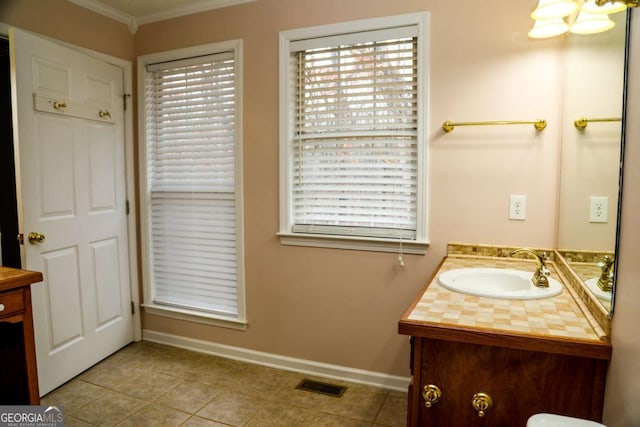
355, 133
191, 157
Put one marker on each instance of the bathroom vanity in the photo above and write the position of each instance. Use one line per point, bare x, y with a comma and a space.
478, 361
18, 371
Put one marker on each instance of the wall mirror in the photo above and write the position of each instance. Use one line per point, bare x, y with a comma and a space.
591, 155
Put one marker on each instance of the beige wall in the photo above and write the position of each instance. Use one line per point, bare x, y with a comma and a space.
342, 307
63, 20
623, 384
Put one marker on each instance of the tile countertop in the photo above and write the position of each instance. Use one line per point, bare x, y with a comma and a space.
556, 322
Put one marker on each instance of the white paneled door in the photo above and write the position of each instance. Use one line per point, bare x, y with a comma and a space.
70, 140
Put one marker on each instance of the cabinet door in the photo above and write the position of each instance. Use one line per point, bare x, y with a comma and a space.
521, 383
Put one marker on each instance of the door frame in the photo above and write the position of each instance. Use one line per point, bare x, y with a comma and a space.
132, 230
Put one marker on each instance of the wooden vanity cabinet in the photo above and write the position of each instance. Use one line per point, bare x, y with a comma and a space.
464, 346
18, 371
520, 381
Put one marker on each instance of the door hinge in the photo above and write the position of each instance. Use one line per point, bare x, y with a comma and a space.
124, 100
127, 207
20, 238
133, 308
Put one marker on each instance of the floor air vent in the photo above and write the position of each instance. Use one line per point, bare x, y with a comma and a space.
322, 388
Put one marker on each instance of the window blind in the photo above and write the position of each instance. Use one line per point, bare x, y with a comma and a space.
191, 182
355, 138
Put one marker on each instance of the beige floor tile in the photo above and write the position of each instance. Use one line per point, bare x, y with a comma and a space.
188, 396
70, 421
233, 409
393, 412
202, 422
74, 395
109, 409
358, 403
133, 381
140, 355
185, 365
210, 370
328, 420
154, 415
258, 381
395, 393
275, 414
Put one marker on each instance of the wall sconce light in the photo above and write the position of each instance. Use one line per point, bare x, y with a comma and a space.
548, 9
591, 23
556, 17
544, 28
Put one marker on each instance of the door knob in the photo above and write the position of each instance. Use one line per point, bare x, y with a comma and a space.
35, 238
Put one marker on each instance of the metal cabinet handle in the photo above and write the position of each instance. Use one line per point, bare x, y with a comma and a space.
431, 394
1, 307
104, 113
35, 238
482, 403
59, 105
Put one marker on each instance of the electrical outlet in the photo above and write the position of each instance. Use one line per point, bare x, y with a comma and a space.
518, 207
599, 209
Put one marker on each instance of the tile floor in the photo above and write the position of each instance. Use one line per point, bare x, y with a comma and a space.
147, 384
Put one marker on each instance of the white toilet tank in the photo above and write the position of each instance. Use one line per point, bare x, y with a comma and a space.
551, 420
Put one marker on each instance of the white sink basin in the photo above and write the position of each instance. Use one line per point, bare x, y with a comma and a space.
497, 283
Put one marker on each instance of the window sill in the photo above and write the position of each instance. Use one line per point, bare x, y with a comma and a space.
195, 316
354, 243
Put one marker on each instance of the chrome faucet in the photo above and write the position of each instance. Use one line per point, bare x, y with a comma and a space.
605, 282
540, 277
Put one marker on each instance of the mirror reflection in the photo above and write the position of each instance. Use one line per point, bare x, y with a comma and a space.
591, 147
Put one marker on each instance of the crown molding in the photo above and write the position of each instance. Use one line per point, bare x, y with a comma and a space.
188, 10
105, 10
133, 21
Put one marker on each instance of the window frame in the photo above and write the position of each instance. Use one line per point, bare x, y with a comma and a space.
238, 322
287, 123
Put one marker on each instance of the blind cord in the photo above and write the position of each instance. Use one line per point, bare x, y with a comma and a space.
400, 257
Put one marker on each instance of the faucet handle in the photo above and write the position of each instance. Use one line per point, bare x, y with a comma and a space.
543, 257
543, 261
545, 271
606, 263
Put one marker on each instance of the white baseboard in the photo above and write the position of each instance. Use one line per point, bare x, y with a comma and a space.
376, 379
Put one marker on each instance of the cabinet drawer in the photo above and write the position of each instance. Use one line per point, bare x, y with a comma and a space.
11, 303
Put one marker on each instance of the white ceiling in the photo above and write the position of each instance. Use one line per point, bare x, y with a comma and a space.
138, 12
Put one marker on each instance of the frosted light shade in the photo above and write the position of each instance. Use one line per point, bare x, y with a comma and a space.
592, 23
544, 28
590, 6
554, 9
